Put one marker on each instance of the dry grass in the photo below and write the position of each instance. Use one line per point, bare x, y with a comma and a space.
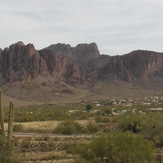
44, 125
39, 125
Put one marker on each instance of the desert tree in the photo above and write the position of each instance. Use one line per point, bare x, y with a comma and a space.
88, 108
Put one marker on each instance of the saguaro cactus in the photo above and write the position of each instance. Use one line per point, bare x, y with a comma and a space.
10, 123
1, 116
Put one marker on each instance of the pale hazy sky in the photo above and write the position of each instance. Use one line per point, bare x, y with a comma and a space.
117, 26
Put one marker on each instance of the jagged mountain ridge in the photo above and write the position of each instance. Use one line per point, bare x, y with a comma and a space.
78, 65
21, 62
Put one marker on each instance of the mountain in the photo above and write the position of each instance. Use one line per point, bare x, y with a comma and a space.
61, 72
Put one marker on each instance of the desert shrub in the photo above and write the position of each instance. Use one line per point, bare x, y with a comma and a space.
77, 148
18, 128
7, 155
102, 119
107, 111
150, 125
78, 115
116, 147
48, 145
130, 122
152, 128
68, 127
91, 128
25, 145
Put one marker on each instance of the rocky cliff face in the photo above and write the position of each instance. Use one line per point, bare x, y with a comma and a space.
80, 64
21, 62
137, 64
54, 66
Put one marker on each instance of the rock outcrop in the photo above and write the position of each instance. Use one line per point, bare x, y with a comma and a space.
140, 64
54, 66
20, 61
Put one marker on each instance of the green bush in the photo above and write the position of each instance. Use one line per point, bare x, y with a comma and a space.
77, 148
91, 128
130, 122
116, 147
102, 119
88, 108
150, 125
68, 127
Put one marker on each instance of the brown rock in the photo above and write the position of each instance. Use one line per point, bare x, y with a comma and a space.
54, 65
76, 65
141, 64
18, 59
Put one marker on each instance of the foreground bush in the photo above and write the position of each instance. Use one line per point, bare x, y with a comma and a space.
7, 155
116, 147
150, 126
